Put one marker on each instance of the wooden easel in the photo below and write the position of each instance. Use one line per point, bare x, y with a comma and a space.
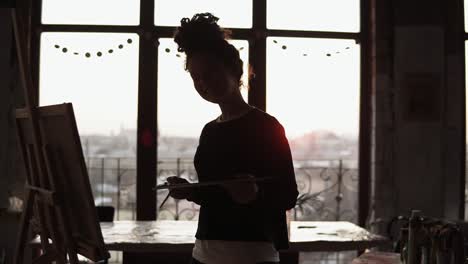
46, 205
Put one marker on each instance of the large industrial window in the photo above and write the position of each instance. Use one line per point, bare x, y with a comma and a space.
313, 89
139, 117
98, 74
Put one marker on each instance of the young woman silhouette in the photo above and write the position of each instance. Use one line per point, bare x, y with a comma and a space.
241, 222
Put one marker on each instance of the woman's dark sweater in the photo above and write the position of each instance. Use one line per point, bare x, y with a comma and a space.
256, 144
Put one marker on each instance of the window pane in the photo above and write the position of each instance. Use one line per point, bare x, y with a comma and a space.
233, 14
103, 90
313, 90
89, 12
182, 113
325, 15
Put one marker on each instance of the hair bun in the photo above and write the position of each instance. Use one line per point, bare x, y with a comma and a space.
199, 33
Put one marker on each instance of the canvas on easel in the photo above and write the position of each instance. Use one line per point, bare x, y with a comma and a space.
65, 211
58, 204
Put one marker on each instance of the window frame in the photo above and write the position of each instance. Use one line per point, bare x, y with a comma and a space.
256, 36
461, 31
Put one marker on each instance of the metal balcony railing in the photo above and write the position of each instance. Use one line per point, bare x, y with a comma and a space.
328, 191
328, 188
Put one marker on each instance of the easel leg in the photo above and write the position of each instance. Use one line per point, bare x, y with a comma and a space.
289, 257
46, 258
67, 239
22, 239
35, 205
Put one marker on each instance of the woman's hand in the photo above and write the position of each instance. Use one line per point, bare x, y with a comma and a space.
242, 192
182, 193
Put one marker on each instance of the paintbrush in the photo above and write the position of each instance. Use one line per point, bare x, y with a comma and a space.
165, 199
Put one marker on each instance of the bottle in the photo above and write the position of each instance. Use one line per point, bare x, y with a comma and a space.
403, 245
413, 230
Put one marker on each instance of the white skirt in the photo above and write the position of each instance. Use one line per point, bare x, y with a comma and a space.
234, 252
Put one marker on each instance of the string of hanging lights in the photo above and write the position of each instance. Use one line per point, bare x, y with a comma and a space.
304, 54
130, 41
168, 50
89, 54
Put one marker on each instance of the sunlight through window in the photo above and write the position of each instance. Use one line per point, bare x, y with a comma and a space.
233, 14
89, 12
98, 74
325, 15
182, 113
313, 90
313, 85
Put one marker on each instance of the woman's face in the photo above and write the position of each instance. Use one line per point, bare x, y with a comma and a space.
211, 79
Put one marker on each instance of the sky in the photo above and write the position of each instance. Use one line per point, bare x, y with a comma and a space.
312, 84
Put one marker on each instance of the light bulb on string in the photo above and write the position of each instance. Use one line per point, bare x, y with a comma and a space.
305, 54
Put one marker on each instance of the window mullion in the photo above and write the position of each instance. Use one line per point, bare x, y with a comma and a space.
35, 49
312, 34
90, 28
257, 55
147, 117
365, 117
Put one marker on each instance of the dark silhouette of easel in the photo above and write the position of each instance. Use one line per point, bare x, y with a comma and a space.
50, 201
